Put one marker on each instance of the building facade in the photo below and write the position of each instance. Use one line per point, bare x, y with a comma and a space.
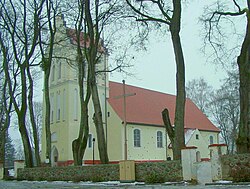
134, 133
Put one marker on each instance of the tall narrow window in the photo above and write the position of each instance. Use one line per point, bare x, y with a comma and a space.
64, 104
211, 139
137, 138
53, 73
159, 139
75, 113
58, 106
52, 108
59, 70
54, 137
90, 141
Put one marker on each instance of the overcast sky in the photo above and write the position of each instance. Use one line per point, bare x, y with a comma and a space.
155, 69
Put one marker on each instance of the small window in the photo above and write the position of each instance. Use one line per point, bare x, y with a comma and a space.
137, 138
211, 139
197, 137
159, 139
90, 141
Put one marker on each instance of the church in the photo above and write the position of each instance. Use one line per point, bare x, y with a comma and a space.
133, 124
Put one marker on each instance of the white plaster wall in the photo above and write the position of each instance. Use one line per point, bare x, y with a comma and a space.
148, 149
201, 143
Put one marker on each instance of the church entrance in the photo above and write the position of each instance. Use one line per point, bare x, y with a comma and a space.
54, 157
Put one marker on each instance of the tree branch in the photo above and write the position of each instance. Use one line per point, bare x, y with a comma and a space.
167, 123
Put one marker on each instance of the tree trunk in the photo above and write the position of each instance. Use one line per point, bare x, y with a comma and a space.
32, 119
168, 127
47, 113
179, 141
92, 58
2, 144
25, 139
79, 145
243, 61
99, 125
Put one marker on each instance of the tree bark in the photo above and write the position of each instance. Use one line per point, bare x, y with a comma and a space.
243, 61
92, 58
168, 127
179, 141
79, 145
99, 126
47, 111
32, 119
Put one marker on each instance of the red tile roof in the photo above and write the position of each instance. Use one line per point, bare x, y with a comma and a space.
146, 106
73, 39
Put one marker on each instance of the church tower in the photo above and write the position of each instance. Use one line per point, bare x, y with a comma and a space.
64, 98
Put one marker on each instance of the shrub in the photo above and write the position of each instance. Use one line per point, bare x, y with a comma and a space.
153, 178
240, 173
97, 178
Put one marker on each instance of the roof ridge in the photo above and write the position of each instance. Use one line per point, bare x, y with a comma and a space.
144, 89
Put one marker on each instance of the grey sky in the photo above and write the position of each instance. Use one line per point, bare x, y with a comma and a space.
155, 69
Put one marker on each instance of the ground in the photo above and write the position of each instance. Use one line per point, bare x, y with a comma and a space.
106, 185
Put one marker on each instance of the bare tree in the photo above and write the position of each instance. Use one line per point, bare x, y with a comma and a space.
216, 37
46, 44
92, 57
20, 19
35, 139
168, 13
199, 92
224, 109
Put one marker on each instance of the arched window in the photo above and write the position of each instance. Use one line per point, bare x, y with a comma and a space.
53, 73
52, 108
59, 70
90, 140
58, 106
198, 156
53, 137
137, 138
64, 104
211, 139
75, 113
159, 139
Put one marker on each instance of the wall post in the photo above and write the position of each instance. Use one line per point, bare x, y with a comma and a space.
216, 150
188, 158
18, 164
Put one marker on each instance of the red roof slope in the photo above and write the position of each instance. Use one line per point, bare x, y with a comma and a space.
146, 107
73, 39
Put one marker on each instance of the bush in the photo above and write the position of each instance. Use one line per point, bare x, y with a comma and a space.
153, 178
97, 178
241, 173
